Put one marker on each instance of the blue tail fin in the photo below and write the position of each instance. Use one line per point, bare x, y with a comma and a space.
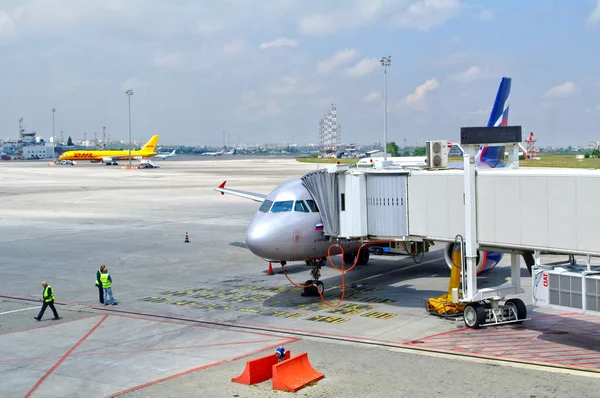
494, 156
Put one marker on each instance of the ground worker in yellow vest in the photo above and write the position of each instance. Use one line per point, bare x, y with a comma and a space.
99, 284
48, 301
107, 286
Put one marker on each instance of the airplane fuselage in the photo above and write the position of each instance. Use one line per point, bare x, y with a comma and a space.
99, 155
288, 227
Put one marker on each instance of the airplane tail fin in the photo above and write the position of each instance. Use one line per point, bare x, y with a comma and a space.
491, 156
150, 146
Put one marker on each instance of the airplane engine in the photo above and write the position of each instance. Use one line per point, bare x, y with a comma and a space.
485, 260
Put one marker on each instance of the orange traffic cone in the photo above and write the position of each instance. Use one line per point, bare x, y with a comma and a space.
270, 269
187, 239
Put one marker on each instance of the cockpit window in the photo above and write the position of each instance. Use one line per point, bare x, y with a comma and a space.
313, 206
285, 205
266, 205
301, 207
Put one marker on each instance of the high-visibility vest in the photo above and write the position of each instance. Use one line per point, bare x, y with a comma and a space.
105, 282
48, 298
96, 281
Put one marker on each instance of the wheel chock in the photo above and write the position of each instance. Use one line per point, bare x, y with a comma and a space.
259, 369
294, 373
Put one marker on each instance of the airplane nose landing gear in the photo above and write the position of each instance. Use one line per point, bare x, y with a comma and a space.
314, 287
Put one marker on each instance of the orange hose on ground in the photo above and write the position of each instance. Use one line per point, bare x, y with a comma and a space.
342, 270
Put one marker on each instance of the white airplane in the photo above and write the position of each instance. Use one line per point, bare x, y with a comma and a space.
164, 156
221, 152
288, 224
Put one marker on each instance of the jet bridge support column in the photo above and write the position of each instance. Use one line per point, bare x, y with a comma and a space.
470, 199
483, 306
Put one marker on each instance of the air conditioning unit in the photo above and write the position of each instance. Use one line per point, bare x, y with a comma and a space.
437, 154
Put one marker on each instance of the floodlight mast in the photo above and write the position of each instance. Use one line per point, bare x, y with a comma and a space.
129, 94
385, 62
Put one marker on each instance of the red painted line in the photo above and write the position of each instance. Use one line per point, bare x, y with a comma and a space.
561, 358
591, 362
62, 359
292, 340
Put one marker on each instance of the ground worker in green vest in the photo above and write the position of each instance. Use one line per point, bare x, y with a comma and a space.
106, 280
99, 284
48, 301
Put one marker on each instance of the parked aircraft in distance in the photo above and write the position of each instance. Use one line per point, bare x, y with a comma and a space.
288, 225
110, 157
164, 156
220, 153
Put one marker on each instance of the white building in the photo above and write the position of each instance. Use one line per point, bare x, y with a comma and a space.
37, 151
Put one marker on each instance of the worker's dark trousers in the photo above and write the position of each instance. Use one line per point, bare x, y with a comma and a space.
101, 294
49, 304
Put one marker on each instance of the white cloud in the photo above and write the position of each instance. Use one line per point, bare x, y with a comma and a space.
351, 15
233, 47
487, 15
337, 60
594, 17
6, 24
472, 74
167, 60
372, 97
426, 14
363, 67
561, 91
416, 100
318, 24
279, 42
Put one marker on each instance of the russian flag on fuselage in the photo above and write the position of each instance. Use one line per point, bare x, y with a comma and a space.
319, 227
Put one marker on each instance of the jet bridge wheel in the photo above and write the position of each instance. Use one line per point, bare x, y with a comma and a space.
474, 315
519, 306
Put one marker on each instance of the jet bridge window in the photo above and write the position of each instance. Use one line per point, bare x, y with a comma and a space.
301, 207
312, 205
266, 205
279, 207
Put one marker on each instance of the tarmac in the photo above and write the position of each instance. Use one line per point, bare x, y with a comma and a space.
191, 314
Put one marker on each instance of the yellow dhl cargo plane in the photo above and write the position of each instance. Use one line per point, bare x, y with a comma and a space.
111, 157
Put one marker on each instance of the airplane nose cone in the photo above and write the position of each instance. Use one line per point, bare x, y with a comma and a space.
62, 157
263, 239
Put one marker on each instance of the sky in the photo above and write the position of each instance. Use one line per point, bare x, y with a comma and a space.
266, 71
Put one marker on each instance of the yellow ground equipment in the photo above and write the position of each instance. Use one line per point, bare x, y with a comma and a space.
443, 305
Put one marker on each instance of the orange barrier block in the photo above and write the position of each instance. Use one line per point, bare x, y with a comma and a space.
259, 369
294, 373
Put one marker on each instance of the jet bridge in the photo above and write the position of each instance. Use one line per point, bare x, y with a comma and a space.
510, 210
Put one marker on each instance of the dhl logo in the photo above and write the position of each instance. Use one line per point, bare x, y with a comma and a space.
84, 155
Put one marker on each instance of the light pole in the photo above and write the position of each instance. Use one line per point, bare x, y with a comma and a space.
129, 94
385, 62
53, 137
